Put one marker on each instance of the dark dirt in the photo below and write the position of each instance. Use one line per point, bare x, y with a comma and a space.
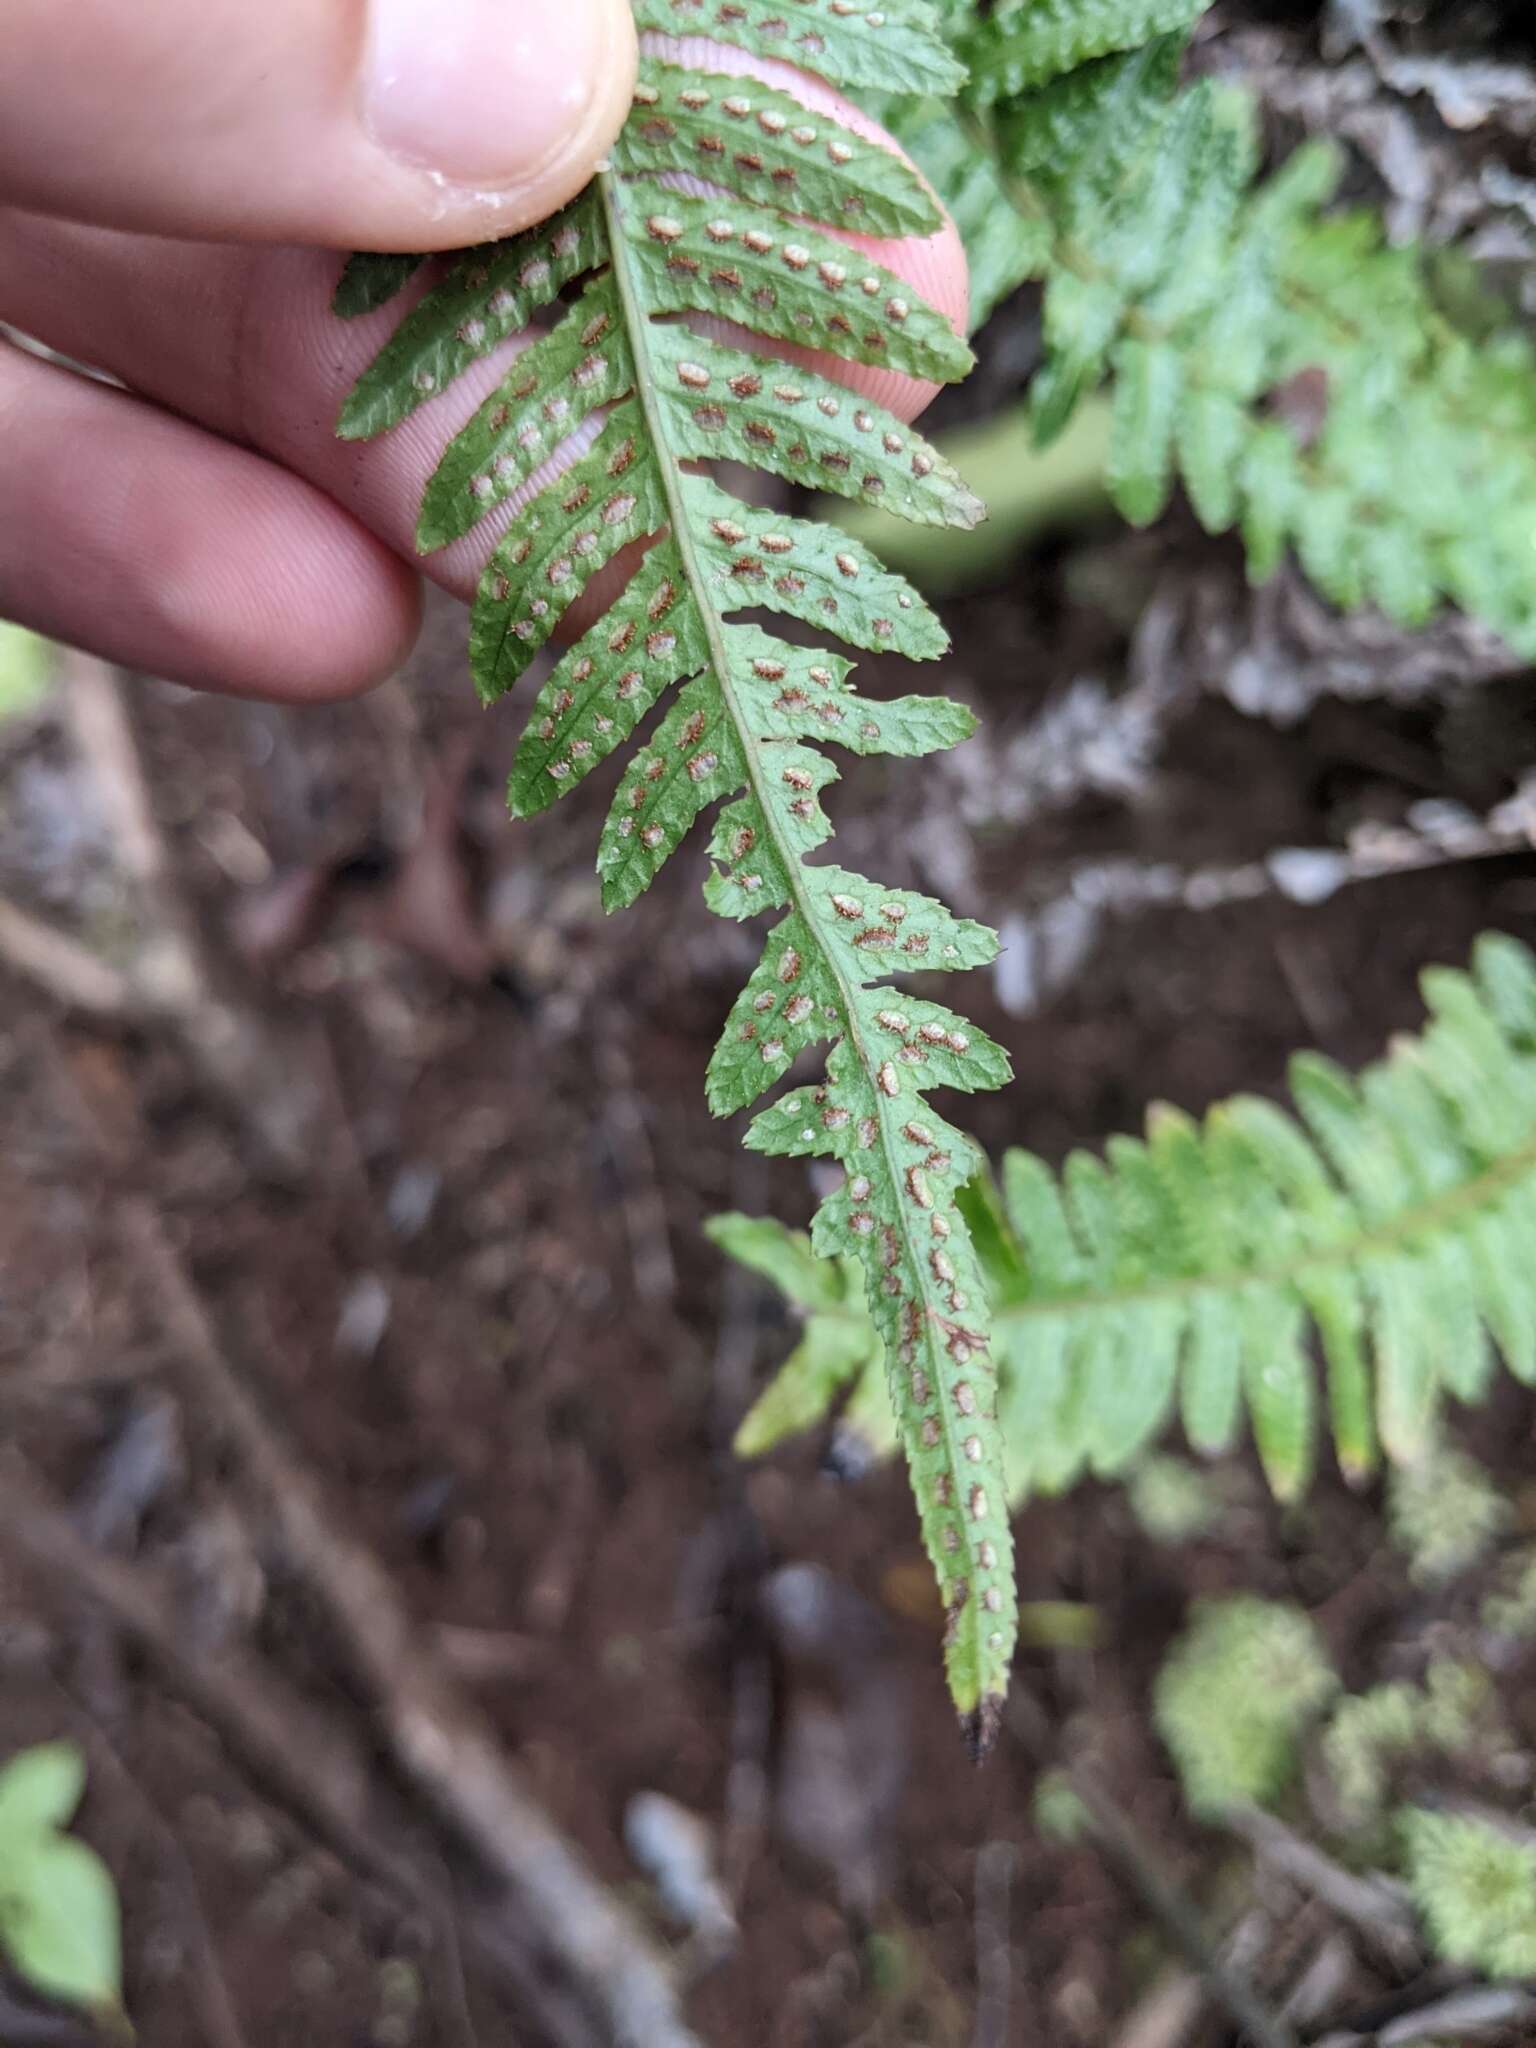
534, 1446
491, 1323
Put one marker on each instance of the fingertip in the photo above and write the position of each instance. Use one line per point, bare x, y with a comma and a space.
189, 558
357, 653
312, 610
394, 125
500, 132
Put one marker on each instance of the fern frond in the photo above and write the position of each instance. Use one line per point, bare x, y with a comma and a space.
1189, 1270
1001, 248
838, 1343
1297, 374
370, 281
892, 49
1018, 47
628, 401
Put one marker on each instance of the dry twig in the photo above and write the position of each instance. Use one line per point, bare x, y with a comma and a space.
256, 1719
994, 1955
61, 967
1134, 1862
171, 980
437, 1736
1375, 1906
210, 1994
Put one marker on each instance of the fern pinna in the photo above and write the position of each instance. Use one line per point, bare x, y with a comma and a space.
1189, 1270
1308, 383
618, 405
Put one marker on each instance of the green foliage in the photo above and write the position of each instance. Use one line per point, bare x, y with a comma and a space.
1172, 1501
1511, 1610
898, 52
26, 671
1029, 492
999, 248
1189, 1270
58, 1906
1241, 1689
1234, 1697
1059, 1815
1368, 1734
647, 400
838, 1340
1298, 375
1372, 1736
1030, 43
1445, 1513
1475, 1887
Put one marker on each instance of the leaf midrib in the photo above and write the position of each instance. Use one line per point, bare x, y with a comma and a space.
637, 317
1421, 1220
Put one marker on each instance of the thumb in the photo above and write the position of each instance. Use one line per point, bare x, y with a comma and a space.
394, 124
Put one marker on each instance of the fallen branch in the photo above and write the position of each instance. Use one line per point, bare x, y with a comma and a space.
256, 1720
438, 1738
995, 1863
209, 1991
229, 1694
1132, 1858
1377, 1907
172, 979
1485, 2008
1046, 942
61, 967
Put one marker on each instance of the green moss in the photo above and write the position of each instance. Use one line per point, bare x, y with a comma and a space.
1234, 1698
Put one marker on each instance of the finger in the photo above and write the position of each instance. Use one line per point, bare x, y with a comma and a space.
245, 343
161, 547
399, 124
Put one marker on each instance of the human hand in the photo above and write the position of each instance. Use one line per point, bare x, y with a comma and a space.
162, 168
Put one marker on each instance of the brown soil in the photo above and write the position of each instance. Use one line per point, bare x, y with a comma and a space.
536, 1442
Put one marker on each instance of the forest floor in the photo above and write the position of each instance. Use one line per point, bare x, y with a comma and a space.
481, 1315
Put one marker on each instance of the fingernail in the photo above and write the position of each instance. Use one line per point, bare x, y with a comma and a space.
483, 93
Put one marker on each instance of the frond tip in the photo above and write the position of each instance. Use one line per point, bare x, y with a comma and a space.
1196, 1269
591, 441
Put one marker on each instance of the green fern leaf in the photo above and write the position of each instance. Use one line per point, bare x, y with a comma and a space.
580, 366
371, 281
1149, 384
778, 153
1311, 375
1389, 1221
1089, 129
895, 49
629, 402
488, 294
1352, 1222
1030, 42
838, 1344
1000, 248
